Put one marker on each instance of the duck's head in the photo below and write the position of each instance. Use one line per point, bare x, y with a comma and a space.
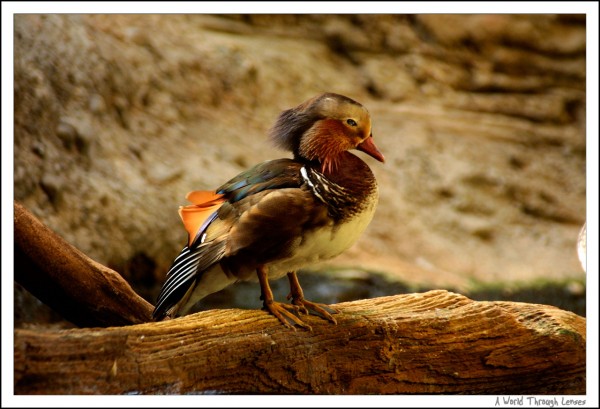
323, 127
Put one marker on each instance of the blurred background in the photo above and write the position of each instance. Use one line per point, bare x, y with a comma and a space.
481, 119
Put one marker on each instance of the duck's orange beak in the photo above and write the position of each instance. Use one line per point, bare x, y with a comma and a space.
368, 147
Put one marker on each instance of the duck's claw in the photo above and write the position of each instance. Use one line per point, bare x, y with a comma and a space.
306, 307
286, 314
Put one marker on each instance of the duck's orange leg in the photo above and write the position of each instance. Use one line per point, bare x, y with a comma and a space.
305, 306
283, 312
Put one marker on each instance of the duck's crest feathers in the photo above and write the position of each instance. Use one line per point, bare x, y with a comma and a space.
292, 123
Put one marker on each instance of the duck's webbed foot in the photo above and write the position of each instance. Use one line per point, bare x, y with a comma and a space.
285, 313
297, 296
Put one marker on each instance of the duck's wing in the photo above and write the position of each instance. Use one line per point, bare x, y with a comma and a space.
220, 223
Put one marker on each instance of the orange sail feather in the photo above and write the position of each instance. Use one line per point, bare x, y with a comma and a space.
194, 216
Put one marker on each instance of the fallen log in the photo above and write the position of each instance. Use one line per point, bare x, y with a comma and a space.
426, 343
80, 289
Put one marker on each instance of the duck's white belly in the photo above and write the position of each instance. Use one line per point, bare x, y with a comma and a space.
324, 243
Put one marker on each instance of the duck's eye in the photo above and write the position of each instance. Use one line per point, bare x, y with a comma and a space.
351, 122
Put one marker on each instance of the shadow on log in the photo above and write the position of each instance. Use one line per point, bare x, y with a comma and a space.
431, 343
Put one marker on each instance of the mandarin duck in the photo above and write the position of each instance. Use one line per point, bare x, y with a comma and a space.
282, 214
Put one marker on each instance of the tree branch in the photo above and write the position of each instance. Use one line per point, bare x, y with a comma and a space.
80, 289
435, 342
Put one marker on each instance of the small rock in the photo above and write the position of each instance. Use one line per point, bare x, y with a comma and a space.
39, 149
137, 36
97, 104
67, 133
51, 185
83, 142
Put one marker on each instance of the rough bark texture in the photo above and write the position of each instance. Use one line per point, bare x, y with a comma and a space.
80, 289
434, 342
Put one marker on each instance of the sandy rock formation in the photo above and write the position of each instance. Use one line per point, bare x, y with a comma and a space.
481, 119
